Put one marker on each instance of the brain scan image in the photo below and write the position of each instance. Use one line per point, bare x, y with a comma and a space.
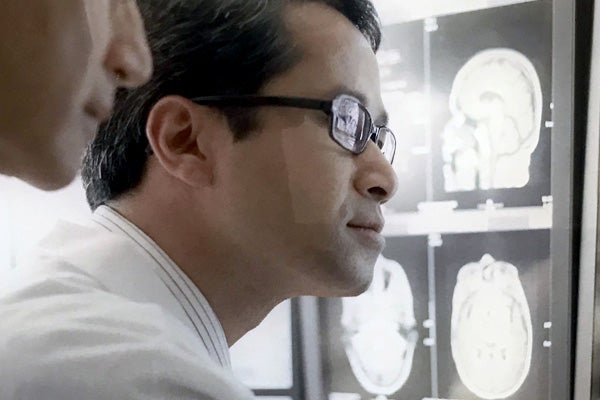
491, 329
380, 330
496, 105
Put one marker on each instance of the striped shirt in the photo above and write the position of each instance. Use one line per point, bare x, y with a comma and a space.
191, 300
101, 312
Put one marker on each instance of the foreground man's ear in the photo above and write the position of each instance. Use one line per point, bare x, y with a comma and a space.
183, 138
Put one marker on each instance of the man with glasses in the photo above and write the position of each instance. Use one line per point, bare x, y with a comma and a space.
249, 170
350, 124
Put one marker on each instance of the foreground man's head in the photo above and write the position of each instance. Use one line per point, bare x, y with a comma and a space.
61, 62
264, 188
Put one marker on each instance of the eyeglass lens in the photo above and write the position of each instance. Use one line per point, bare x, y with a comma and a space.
352, 128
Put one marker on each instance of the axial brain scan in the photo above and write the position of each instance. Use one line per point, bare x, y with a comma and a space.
491, 329
380, 333
496, 106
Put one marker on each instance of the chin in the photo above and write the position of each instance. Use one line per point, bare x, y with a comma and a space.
359, 288
338, 269
349, 282
50, 174
50, 182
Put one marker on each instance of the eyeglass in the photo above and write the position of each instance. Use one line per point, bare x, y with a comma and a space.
350, 124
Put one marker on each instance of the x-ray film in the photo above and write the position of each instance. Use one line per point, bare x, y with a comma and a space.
496, 105
491, 331
491, 94
373, 343
492, 315
380, 333
401, 61
394, 11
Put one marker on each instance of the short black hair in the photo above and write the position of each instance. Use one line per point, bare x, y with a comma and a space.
200, 48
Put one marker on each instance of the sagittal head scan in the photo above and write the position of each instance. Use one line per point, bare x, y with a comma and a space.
496, 106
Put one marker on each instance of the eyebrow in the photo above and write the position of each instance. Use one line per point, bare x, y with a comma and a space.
379, 120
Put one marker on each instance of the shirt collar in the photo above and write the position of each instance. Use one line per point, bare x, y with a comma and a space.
194, 304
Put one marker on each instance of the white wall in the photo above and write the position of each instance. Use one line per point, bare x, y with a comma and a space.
28, 214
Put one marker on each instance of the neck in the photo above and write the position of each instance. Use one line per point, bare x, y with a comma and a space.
234, 288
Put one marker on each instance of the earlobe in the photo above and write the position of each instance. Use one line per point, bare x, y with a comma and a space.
179, 133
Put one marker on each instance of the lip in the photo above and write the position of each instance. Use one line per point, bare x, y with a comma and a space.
98, 110
100, 103
374, 225
368, 235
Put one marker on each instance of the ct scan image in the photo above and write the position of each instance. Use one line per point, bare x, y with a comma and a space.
492, 314
373, 343
491, 328
490, 106
495, 123
380, 330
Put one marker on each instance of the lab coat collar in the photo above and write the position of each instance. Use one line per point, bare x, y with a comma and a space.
198, 312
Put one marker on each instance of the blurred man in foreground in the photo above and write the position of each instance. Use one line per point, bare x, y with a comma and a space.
61, 63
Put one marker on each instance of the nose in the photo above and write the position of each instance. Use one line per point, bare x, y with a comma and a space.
375, 177
128, 56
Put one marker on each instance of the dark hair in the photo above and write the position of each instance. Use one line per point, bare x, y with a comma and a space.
200, 48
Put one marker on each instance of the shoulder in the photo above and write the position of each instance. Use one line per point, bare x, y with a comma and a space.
64, 336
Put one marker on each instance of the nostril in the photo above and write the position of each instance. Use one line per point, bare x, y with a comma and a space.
129, 65
378, 192
120, 75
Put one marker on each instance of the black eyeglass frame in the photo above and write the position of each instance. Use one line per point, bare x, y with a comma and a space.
327, 106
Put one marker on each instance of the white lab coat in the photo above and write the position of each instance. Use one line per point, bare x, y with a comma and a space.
90, 318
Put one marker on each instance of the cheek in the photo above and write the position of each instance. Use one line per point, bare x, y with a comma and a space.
317, 176
99, 13
43, 75
100, 27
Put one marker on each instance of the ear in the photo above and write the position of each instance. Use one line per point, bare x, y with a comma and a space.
183, 138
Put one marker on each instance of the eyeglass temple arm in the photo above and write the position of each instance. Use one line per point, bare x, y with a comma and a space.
252, 101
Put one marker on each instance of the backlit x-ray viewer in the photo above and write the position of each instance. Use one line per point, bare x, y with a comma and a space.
380, 332
496, 106
491, 328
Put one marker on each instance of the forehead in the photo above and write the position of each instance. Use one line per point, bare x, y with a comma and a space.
334, 56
